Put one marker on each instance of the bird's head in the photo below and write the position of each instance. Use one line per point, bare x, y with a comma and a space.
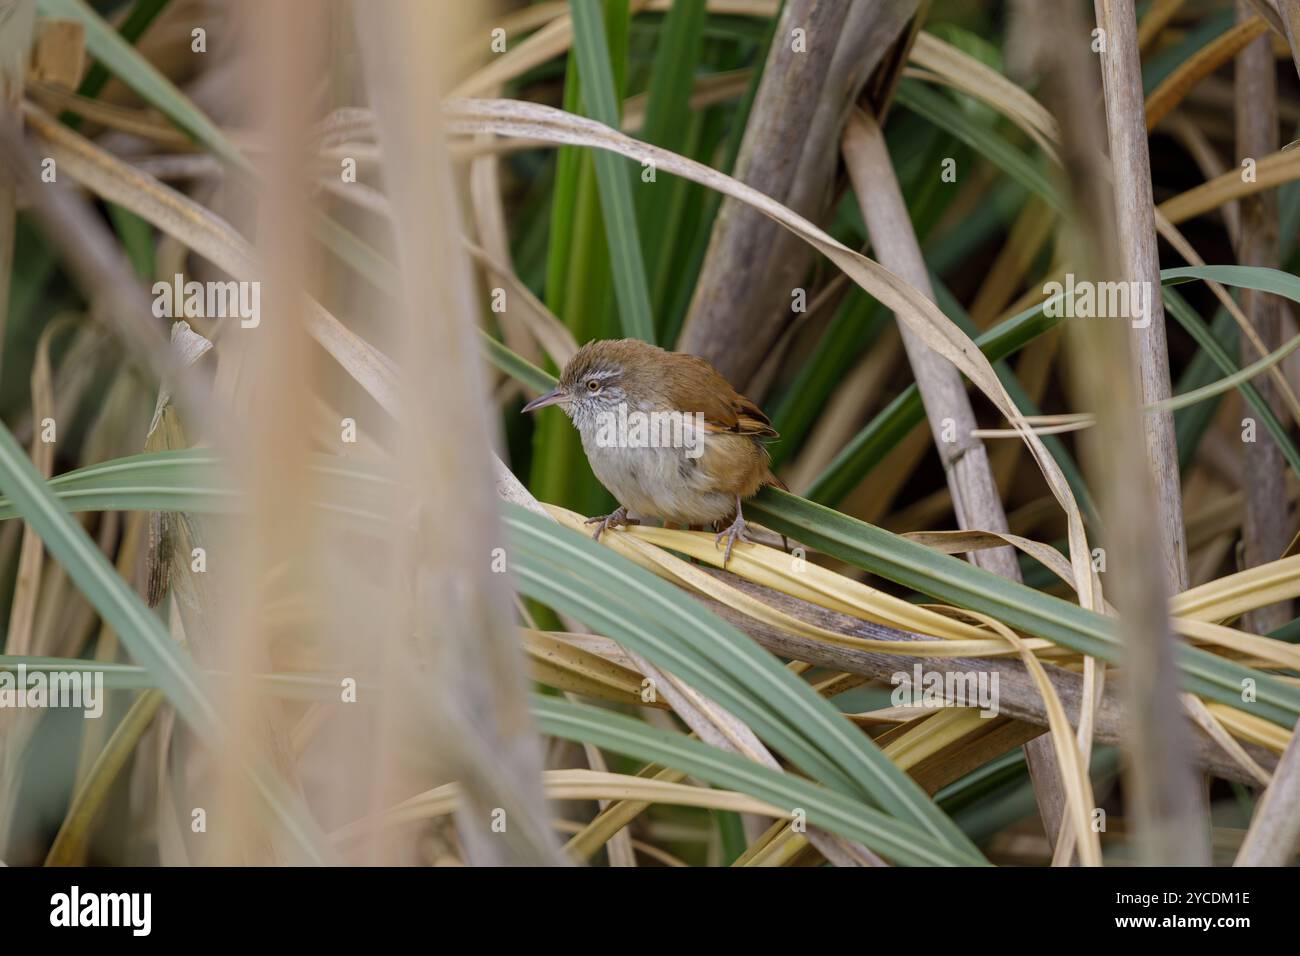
601, 376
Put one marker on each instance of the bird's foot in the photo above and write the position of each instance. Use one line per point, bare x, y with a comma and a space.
733, 532
611, 520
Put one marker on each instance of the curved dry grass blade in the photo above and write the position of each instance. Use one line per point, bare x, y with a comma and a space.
1073, 769
1271, 171
551, 334
568, 785
1201, 64
69, 846
1206, 720
1230, 596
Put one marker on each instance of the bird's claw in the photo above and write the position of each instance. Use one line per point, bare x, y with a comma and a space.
611, 520
733, 532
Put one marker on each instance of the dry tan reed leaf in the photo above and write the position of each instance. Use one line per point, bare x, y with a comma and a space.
1265, 649
143, 123
1077, 424
20, 637
575, 784
959, 542
640, 846
617, 815
619, 848
1198, 66
932, 733
1212, 726
1233, 595
358, 194
1271, 171
550, 41
551, 334
558, 664
1268, 10
778, 851
620, 680
1252, 729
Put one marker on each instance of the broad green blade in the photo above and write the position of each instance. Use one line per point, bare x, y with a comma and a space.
602, 103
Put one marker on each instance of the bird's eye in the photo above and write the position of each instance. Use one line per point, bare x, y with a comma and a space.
593, 386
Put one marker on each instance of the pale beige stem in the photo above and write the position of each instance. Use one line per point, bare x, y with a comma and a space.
1164, 793
1138, 260
1265, 530
1275, 828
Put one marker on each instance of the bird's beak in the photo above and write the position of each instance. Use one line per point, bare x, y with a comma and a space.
555, 396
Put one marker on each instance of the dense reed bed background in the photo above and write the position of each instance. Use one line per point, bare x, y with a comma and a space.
339, 586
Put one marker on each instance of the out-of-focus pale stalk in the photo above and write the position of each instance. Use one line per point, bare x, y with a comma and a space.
267, 557
454, 612
1163, 791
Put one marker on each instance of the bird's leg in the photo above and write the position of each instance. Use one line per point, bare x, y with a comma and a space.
733, 532
612, 520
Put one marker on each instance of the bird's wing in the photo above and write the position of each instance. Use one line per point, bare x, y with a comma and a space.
724, 409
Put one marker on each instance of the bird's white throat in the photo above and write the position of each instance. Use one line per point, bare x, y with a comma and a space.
624, 427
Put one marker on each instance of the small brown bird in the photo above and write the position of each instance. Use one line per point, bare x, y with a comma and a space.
666, 434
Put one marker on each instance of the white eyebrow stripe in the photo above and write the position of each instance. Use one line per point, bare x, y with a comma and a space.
607, 373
